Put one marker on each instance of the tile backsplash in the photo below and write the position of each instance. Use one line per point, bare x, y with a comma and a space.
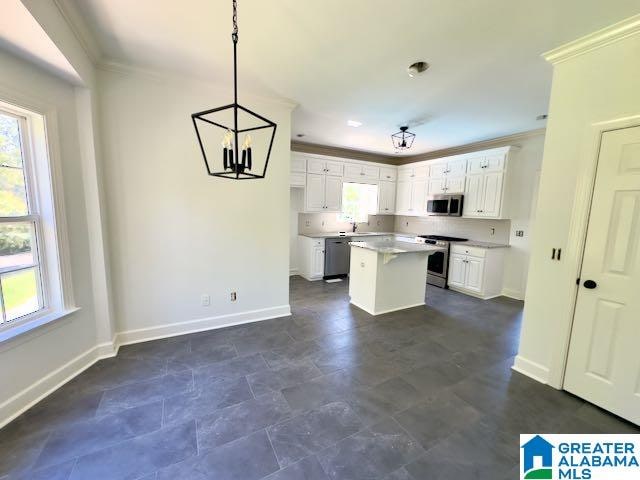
496, 231
328, 222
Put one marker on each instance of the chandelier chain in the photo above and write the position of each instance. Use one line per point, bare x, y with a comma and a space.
234, 34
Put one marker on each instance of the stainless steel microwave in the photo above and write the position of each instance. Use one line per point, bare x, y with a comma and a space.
450, 205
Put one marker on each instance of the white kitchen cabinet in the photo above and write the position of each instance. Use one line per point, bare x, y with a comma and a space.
418, 197
326, 167
388, 174
298, 163
323, 193
311, 257
315, 192
476, 271
457, 270
386, 198
413, 173
486, 163
356, 172
333, 194
439, 186
454, 167
483, 195
411, 198
403, 198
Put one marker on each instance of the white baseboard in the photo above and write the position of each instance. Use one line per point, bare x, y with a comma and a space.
27, 398
382, 312
472, 294
511, 293
531, 369
201, 325
293, 271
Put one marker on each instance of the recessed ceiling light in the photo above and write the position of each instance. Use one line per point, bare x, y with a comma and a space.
542, 117
354, 123
417, 68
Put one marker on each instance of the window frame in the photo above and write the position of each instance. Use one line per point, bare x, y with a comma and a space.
43, 181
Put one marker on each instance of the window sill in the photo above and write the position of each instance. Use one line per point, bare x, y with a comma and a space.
31, 325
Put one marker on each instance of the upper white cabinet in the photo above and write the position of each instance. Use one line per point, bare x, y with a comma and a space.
353, 171
446, 185
325, 167
386, 198
298, 170
454, 167
323, 193
388, 174
410, 173
485, 194
411, 197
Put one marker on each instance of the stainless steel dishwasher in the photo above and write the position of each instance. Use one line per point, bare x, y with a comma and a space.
336, 257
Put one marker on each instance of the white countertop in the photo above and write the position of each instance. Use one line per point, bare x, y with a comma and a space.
348, 234
394, 246
475, 243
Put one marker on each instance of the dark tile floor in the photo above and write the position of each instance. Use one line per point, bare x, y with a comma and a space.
329, 393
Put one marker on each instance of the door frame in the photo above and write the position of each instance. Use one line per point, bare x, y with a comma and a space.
578, 234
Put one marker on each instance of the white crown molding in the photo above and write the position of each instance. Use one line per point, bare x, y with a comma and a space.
507, 140
79, 29
595, 40
162, 76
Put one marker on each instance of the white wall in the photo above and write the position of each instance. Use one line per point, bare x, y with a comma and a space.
598, 83
34, 356
176, 233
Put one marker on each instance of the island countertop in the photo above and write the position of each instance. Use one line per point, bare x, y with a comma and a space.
394, 246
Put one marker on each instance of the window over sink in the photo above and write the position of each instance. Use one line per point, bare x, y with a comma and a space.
359, 200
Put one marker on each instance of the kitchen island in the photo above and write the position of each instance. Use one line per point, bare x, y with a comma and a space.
388, 275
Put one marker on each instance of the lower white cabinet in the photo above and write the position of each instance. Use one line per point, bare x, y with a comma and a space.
476, 271
323, 193
311, 257
386, 198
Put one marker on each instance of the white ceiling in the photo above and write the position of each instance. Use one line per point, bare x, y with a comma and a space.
342, 60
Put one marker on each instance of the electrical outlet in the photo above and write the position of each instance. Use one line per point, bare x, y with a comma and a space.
205, 300
307, 223
234, 296
519, 233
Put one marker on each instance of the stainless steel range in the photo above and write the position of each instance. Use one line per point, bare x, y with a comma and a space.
438, 267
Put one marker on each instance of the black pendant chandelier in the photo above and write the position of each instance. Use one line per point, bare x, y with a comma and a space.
219, 130
403, 139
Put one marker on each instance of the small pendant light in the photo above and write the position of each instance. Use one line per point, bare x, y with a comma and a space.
403, 139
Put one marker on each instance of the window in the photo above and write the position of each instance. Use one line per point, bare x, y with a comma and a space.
20, 274
359, 200
32, 270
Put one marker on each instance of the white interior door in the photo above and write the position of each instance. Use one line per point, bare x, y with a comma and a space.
603, 366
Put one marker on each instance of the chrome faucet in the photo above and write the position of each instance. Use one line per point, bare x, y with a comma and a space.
355, 227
